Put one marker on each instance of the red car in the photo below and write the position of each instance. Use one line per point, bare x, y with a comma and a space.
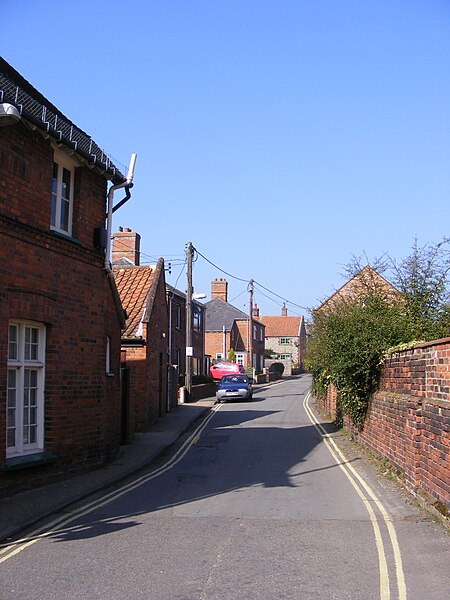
220, 369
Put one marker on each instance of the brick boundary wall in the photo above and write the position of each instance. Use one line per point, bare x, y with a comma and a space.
408, 420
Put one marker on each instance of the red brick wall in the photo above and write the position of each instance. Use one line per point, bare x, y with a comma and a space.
214, 342
148, 363
61, 283
157, 345
408, 421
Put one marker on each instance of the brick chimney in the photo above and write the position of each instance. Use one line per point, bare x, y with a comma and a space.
219, 289
256, 311
284, 311
126, 244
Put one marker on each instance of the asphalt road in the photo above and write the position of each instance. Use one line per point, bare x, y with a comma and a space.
256, 502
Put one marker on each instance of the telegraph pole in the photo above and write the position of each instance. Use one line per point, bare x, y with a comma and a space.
250, 342
189, 348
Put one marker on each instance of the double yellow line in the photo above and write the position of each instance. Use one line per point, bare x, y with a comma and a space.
369, 500
10, 550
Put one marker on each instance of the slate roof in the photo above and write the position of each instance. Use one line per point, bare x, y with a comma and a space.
219, 313
175, 292
134, 285
282, 326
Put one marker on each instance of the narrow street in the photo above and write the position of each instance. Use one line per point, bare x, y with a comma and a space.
255, 504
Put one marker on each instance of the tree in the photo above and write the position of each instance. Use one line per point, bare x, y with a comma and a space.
352, 336
423, 280
231, 355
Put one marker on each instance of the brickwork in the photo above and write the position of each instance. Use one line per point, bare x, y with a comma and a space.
145, 348
214, 342
156, 359
59, 282
408, 421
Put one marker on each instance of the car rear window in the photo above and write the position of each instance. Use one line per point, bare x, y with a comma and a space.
234, 379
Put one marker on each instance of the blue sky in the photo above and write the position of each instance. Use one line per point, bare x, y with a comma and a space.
280, 137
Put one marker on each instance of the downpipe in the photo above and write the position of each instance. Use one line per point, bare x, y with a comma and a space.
126, 184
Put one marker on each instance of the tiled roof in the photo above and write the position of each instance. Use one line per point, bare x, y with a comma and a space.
358, 285
281, 326
134, 285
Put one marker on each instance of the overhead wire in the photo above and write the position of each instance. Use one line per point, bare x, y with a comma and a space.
221, 270
177, 260
254, 283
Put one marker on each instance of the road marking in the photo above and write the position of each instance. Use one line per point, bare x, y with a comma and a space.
10, 550
367, 494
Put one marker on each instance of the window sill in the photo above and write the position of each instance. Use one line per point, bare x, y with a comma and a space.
109, 374
65, 236
26, 461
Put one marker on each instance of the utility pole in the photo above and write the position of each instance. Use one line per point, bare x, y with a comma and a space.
189, 348
250, 343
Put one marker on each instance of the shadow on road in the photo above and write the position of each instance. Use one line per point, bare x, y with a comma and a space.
240, 449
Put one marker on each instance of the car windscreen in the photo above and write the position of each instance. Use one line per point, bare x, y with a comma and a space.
234, 379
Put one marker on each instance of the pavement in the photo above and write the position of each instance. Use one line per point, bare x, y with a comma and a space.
23, 510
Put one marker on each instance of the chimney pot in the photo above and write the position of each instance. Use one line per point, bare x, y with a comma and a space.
126, 244
219, 289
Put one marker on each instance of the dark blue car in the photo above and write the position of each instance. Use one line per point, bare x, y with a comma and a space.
234, 387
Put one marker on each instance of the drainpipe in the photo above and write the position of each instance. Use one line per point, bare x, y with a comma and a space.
126, 184
170, 367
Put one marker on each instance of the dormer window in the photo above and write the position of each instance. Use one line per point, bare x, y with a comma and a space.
62, 196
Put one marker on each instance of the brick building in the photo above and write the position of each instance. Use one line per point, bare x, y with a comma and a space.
177, 333
60, 314
355, 289
142, 290
285, 336
228, 327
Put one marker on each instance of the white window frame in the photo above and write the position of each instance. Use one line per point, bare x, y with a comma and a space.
62, 163
285, 341
240, 358
25, 411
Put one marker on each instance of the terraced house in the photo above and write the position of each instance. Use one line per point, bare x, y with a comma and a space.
285, 336
60, 313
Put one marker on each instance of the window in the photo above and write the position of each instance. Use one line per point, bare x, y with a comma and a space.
25, 388
240, 358
255, 332
197, 317
284, 356
218, 356
177, 316
108, 355
62, 196
285, 340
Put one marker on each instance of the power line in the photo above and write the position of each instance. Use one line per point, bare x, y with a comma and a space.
278, 303
248, 281
221, 270
181, 272
121, 245
281, 297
